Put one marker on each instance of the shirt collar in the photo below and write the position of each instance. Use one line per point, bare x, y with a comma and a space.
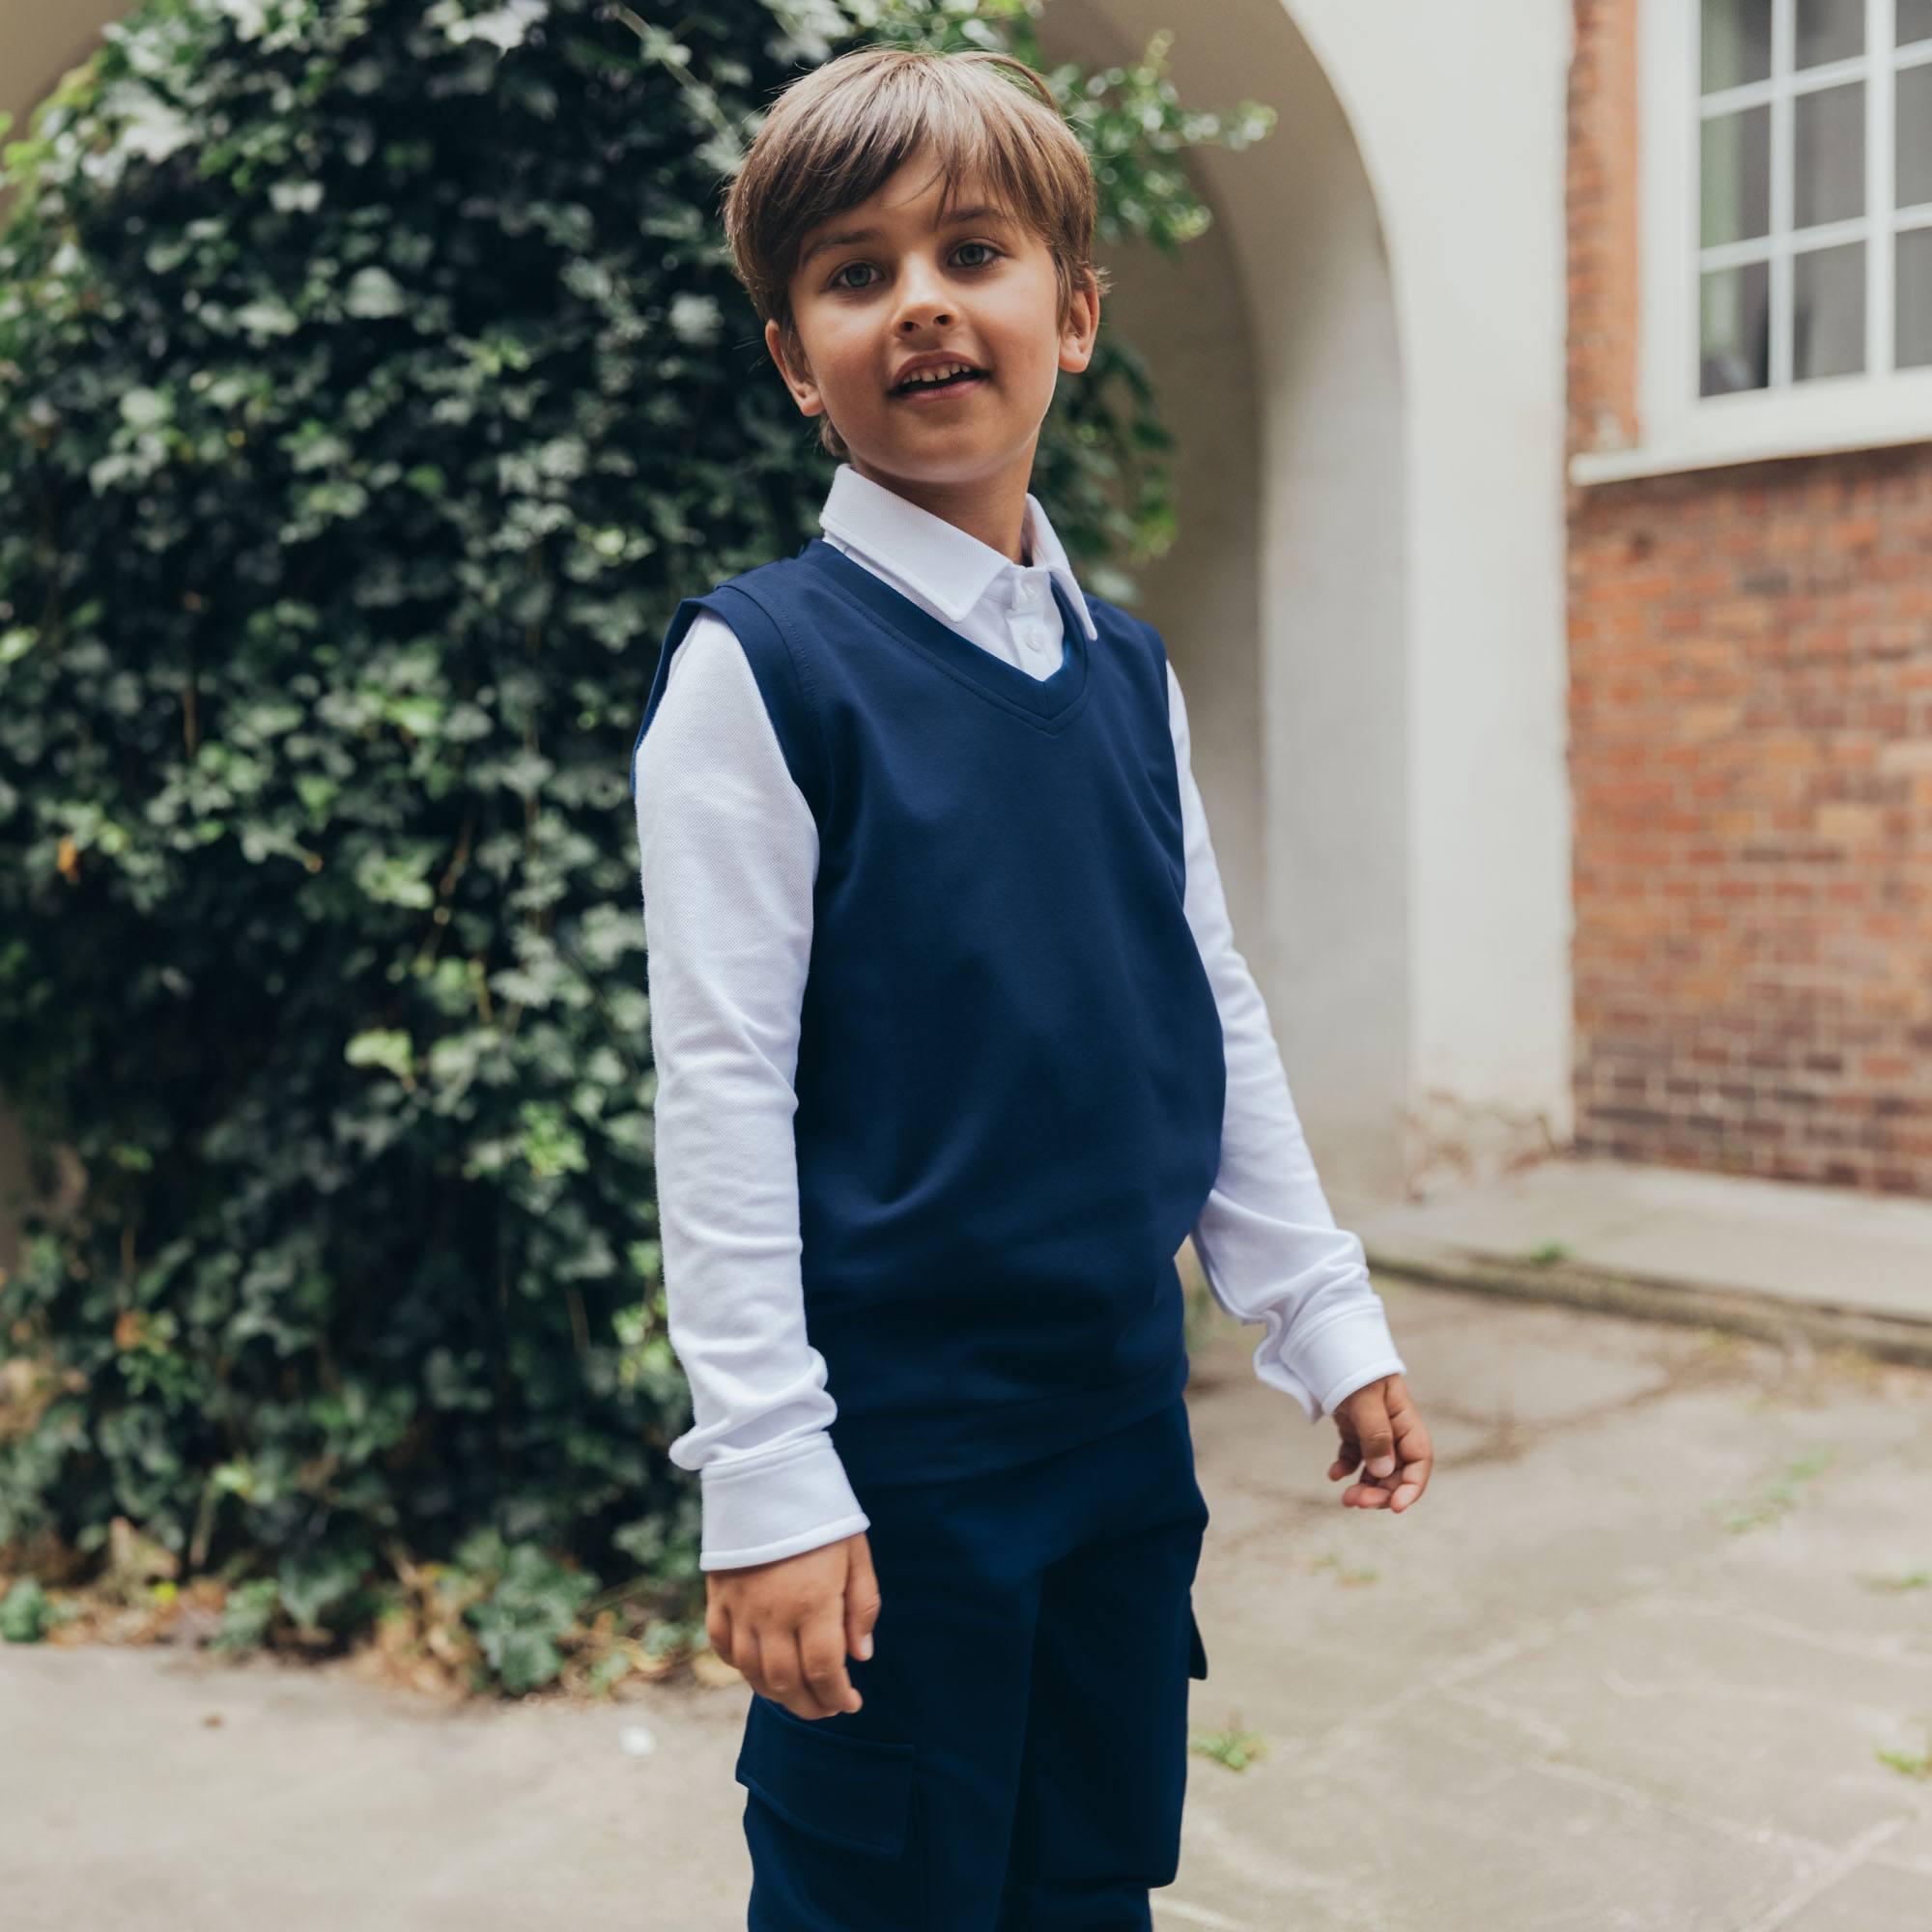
950, 567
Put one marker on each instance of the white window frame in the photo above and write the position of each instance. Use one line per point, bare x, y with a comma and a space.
1680, 429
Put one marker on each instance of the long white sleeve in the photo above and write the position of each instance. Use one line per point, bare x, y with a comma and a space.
1266, 1237
728, 852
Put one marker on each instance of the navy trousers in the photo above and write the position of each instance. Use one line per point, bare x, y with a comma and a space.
1021, 1757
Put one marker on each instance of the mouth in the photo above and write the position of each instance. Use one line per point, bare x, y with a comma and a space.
917, 390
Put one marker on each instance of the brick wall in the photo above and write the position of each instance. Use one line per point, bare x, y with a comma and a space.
1750, 755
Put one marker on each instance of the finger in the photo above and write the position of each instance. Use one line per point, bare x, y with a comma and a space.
1414, 1480
779, 1667
1372, 1492
862, 1599
1378, 1438
1418, 1452
750, 1662
785, 1673
824, 1688
718, 1627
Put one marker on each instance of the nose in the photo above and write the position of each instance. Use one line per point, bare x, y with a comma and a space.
922, 301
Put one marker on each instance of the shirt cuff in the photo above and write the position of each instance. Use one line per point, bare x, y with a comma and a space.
1344, 1354
760, 1507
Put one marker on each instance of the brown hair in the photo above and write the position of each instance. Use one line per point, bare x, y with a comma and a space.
836, 135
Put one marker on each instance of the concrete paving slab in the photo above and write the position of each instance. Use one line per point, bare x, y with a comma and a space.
1767, 1256
1401, 1826
1798, 1238
1698, 1710
1871, 1897
1605, 1570
1625, 1669
140, 1788
1907, 1845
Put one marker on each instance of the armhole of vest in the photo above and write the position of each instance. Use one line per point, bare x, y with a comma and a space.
681, 620
785, 682
1158, 645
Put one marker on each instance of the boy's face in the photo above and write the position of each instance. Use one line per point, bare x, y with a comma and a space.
979, 286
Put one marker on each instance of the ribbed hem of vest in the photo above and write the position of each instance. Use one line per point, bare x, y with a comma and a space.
894, 1448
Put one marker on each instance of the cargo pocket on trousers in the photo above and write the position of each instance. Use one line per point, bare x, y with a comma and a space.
1197, 1664
829, 1820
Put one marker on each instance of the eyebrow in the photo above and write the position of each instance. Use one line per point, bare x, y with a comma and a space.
979, 211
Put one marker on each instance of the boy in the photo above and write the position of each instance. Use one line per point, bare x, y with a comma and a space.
954, 1050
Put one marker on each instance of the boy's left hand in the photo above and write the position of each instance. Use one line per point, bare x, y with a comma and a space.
1380, 1428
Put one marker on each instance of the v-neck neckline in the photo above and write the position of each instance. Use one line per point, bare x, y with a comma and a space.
1044, 700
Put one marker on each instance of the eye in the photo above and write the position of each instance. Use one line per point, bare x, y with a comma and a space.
839, 279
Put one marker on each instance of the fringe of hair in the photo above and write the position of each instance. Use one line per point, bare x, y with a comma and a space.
838, 134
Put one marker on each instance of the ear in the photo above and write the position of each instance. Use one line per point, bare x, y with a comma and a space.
1083, 327
804, 391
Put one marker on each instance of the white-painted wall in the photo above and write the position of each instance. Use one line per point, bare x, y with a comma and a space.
1385, 758
1460, 112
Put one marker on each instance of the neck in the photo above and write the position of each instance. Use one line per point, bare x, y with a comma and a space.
991, 508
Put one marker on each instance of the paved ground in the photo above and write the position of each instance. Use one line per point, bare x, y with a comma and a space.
1773, 1258
1628, 1667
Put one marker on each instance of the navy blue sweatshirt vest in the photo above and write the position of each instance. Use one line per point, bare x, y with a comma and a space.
1011, 1071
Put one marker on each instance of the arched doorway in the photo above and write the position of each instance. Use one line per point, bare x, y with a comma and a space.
1273, 337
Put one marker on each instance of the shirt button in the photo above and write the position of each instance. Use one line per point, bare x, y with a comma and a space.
1034, 640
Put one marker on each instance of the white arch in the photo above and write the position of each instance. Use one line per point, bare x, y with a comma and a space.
1364, 360
1284, 603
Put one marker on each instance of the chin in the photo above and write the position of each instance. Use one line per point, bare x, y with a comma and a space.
939, 458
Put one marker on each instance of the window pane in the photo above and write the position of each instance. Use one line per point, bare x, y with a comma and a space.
1829, 30
1734, 186
1734, 330
1828, 311
1915, 20
1915, 135
1828, 131
1914, 299
1736, 42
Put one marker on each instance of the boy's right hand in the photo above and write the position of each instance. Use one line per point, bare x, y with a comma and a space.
788, 1624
